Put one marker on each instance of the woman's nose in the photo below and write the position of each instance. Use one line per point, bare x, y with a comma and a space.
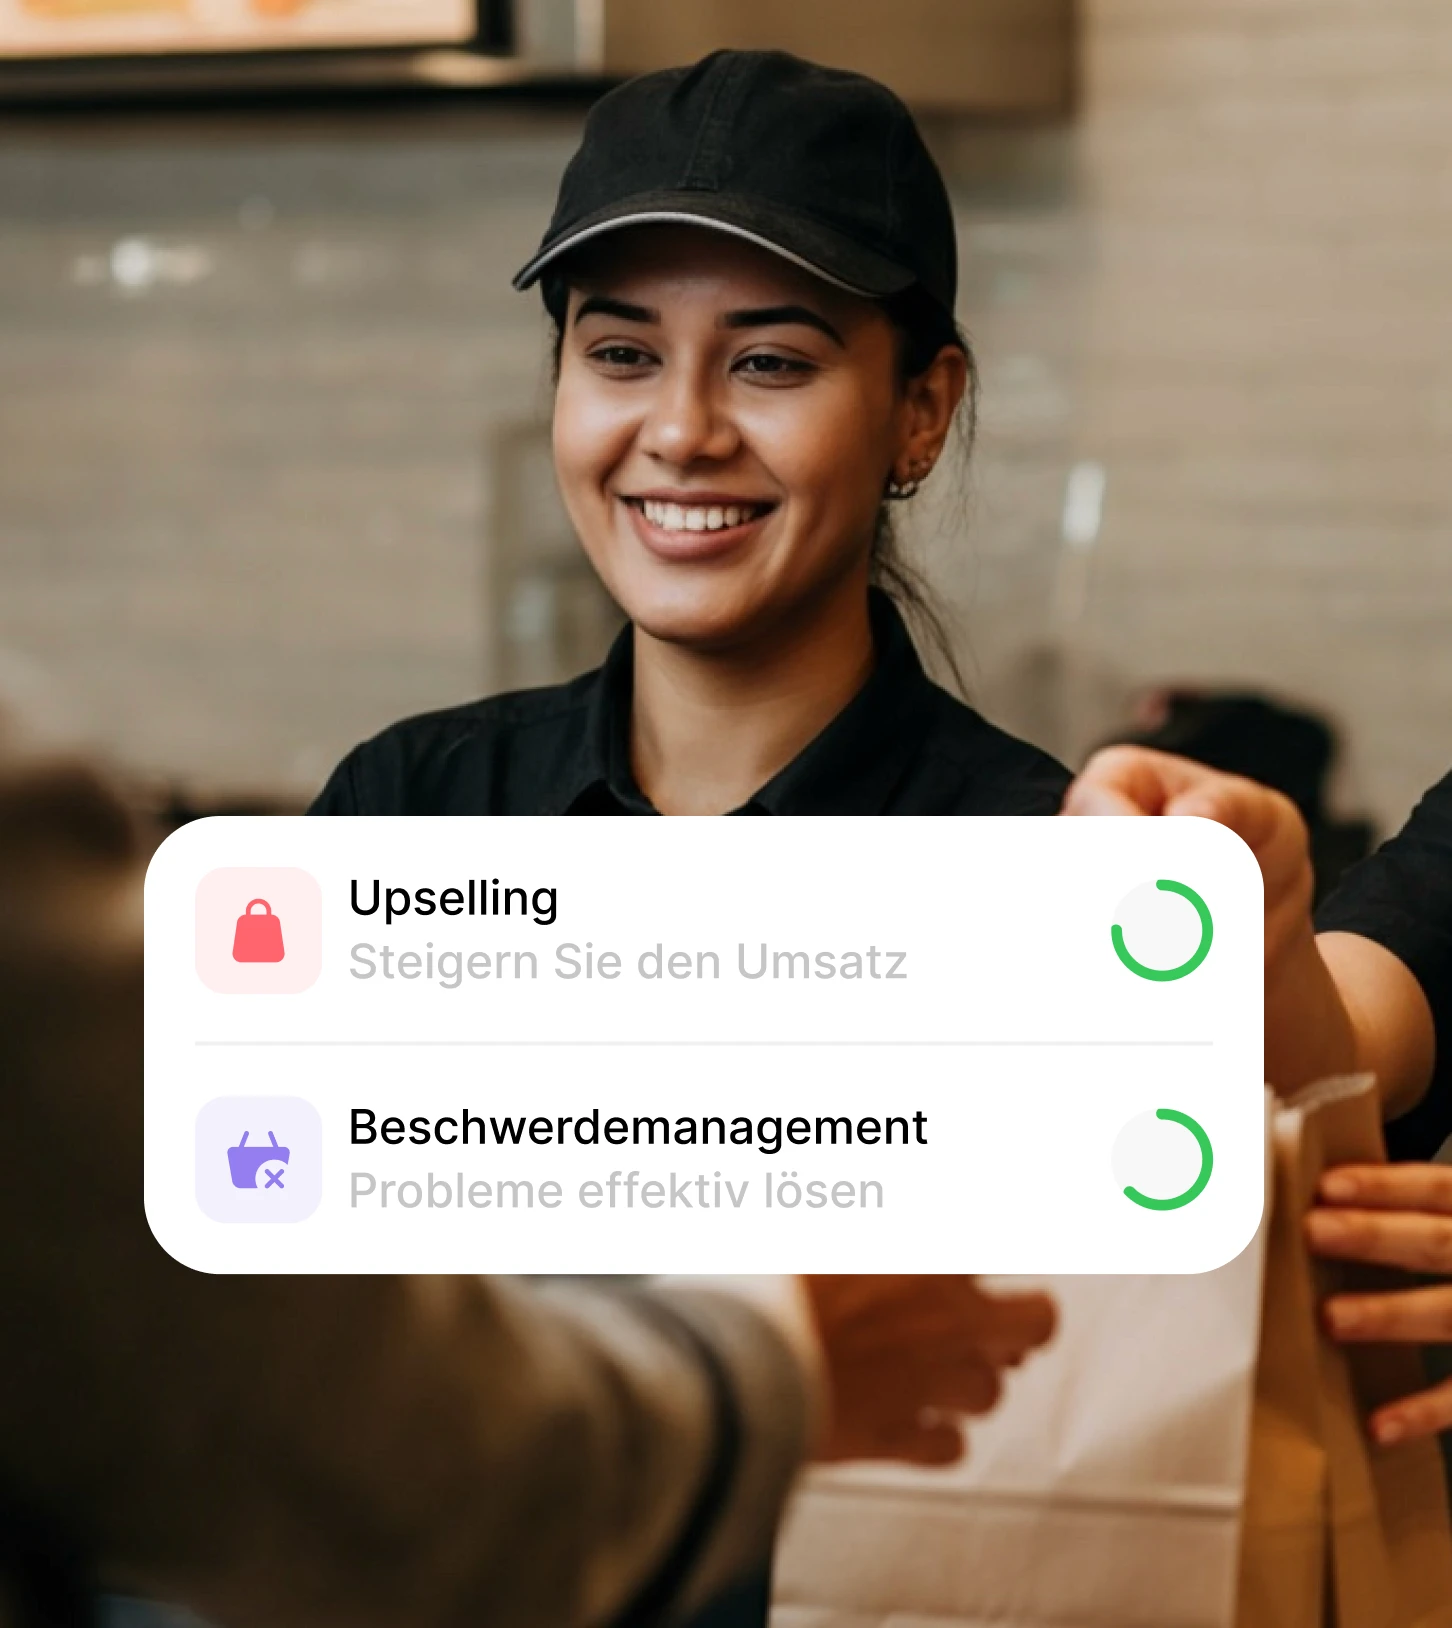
688, 421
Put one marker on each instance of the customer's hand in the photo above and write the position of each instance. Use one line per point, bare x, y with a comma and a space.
906, 1354
1394, 1215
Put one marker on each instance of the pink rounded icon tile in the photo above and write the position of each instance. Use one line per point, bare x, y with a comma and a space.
259, 932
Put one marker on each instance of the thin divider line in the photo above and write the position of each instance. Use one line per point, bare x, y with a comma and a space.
719, 1043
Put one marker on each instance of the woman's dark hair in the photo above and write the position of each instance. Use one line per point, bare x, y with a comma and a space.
923, 329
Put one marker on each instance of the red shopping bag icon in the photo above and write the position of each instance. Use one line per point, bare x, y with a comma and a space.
258, 938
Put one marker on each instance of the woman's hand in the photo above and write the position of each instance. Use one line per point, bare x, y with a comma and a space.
1333, 1005
1136, 780
1393, 1215
1308, 1031
905, 1354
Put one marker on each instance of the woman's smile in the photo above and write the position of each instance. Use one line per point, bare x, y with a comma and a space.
687, 527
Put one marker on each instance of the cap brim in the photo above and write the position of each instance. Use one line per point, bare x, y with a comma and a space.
818, 249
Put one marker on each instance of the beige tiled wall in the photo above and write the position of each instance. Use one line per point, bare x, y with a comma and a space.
1003, 56
1266, 361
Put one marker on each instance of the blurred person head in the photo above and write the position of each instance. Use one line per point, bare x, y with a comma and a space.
751, 271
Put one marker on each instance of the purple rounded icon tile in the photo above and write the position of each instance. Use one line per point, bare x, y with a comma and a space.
259, 1159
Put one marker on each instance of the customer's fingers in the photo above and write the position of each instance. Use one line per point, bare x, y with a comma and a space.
1389, 1187
1013, 1318
888, 1315
1018, 1324
951, 1380
1415, 1241
931, 1440
1421, 1316
915, 1417
971, 1386
901, 1440
903, 1351
925, 1426
1424, 1414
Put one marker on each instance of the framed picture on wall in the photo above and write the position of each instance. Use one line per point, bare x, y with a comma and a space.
51, 29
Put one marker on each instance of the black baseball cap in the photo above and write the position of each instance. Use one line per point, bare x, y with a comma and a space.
823, 167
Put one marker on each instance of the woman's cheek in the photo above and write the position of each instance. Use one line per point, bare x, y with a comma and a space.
828, 441
591, 438
830, 468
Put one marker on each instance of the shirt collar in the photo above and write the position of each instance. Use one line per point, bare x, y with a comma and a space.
602, 781
851, 767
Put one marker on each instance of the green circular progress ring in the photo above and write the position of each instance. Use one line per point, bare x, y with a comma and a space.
1196, 1187
1167, 975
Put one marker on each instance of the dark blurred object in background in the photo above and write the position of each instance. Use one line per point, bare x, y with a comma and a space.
1280, 746
165, 808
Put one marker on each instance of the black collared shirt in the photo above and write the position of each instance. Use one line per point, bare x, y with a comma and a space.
902, 745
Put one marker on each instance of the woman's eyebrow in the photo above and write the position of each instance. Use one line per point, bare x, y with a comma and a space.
769, 316
603, 305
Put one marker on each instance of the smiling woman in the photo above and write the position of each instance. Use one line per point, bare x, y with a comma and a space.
751, 270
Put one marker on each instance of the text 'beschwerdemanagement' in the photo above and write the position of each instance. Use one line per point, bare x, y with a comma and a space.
768, 1132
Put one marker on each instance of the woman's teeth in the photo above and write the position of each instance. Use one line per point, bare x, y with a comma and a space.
697, 516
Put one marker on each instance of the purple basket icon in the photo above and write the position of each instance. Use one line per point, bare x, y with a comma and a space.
246, 1161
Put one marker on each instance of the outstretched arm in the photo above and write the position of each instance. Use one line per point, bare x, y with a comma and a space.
1334, 1004
299, 1452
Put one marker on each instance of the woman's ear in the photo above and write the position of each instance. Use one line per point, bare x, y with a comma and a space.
929, 403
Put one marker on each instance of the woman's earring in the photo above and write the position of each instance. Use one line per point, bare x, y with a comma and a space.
900, 491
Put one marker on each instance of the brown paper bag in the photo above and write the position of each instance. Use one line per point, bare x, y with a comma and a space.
1166, 1464
1104, 1492
1337, 1533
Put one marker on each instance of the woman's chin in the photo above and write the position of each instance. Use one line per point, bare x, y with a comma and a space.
702, 615
703, 631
